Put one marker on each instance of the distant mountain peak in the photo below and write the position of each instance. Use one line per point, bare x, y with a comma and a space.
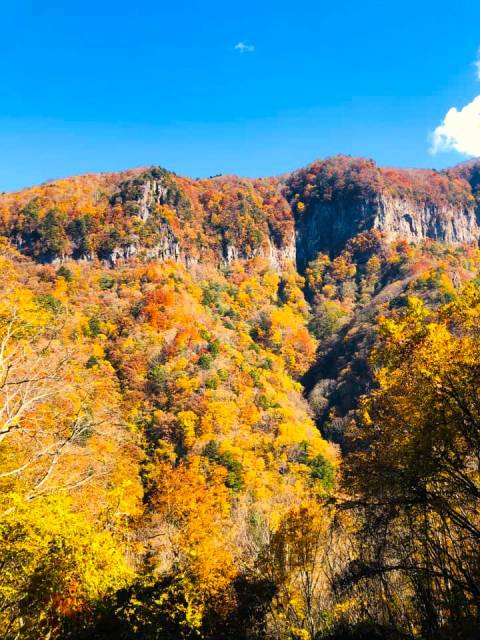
152, 213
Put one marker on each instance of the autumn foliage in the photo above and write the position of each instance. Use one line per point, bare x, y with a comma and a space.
162, 474
151, 415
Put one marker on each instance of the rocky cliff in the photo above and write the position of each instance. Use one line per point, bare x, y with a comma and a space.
151, 214
338, 198
154, 214
327, 226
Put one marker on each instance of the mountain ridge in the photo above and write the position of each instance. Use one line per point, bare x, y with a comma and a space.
187, 446
152, 213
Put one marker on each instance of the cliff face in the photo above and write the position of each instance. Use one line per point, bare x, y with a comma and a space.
452, 224
338, 198
327, 226
154, 214
324, 225
151, 214
219, 221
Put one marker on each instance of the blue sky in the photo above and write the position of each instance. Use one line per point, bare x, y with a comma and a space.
102, 85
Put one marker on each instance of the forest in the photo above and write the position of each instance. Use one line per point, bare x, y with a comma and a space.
201, 439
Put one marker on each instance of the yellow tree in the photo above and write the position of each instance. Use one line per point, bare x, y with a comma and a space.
414, 476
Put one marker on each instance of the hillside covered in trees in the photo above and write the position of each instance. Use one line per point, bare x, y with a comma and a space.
241, 408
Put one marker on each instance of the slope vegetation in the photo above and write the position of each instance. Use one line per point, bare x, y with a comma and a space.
236, 408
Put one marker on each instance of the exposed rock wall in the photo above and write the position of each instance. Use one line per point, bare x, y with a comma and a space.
326, 227
153, 214
452, 224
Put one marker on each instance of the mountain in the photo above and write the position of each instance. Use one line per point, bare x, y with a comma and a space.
241, 409
338, 198
154, 214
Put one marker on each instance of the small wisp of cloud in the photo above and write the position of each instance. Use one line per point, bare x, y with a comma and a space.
242, 47
460, 129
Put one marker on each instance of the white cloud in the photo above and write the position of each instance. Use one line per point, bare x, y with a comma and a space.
460, 130
244, 48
